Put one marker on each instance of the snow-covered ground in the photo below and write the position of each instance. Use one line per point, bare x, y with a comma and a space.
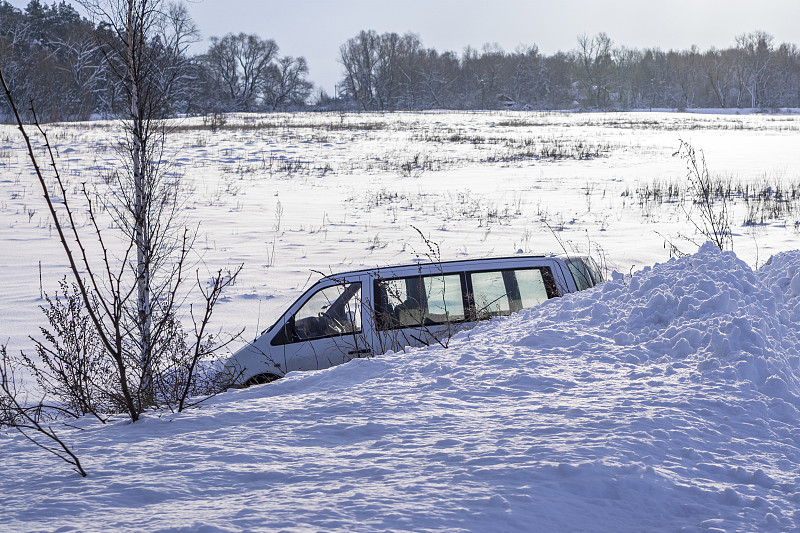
666, 399
287, 195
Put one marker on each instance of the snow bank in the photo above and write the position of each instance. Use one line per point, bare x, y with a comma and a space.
663, 401
710, 312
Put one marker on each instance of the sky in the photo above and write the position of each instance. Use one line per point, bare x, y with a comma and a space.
317, 28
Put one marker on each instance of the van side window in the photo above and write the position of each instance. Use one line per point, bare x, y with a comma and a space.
332, 311
419, 300
581, 274
502, 292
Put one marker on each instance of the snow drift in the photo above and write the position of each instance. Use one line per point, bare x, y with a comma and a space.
662, 401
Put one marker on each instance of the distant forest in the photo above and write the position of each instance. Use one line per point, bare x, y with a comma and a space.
52, 56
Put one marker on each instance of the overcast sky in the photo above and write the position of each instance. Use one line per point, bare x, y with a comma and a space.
316, 28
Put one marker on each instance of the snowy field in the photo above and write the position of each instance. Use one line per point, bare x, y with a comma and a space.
665, 400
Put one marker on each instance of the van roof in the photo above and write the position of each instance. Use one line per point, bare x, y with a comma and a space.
454, 262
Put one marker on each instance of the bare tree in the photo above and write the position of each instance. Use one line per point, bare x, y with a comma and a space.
596, 67
286, 84
438, 74
686, 73
753, 57
785, 82
83, 68
387, 71
142, 46
719, 73
98, 367
482, 71
526, 76
715, 220
238, 66
359, 57
560, 81
14, 36
131, 293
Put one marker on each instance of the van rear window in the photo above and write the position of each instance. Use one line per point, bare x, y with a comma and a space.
584, 276
502, 292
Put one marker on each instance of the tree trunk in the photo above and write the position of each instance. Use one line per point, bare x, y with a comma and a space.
141, 229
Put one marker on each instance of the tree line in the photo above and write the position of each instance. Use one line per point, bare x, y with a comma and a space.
55, 57
389, 71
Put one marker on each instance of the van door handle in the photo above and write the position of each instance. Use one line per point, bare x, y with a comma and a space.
358, 352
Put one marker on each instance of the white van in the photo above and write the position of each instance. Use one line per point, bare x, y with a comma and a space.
369, 312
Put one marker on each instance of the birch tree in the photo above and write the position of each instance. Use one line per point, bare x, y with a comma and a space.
130, 291
143, 43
